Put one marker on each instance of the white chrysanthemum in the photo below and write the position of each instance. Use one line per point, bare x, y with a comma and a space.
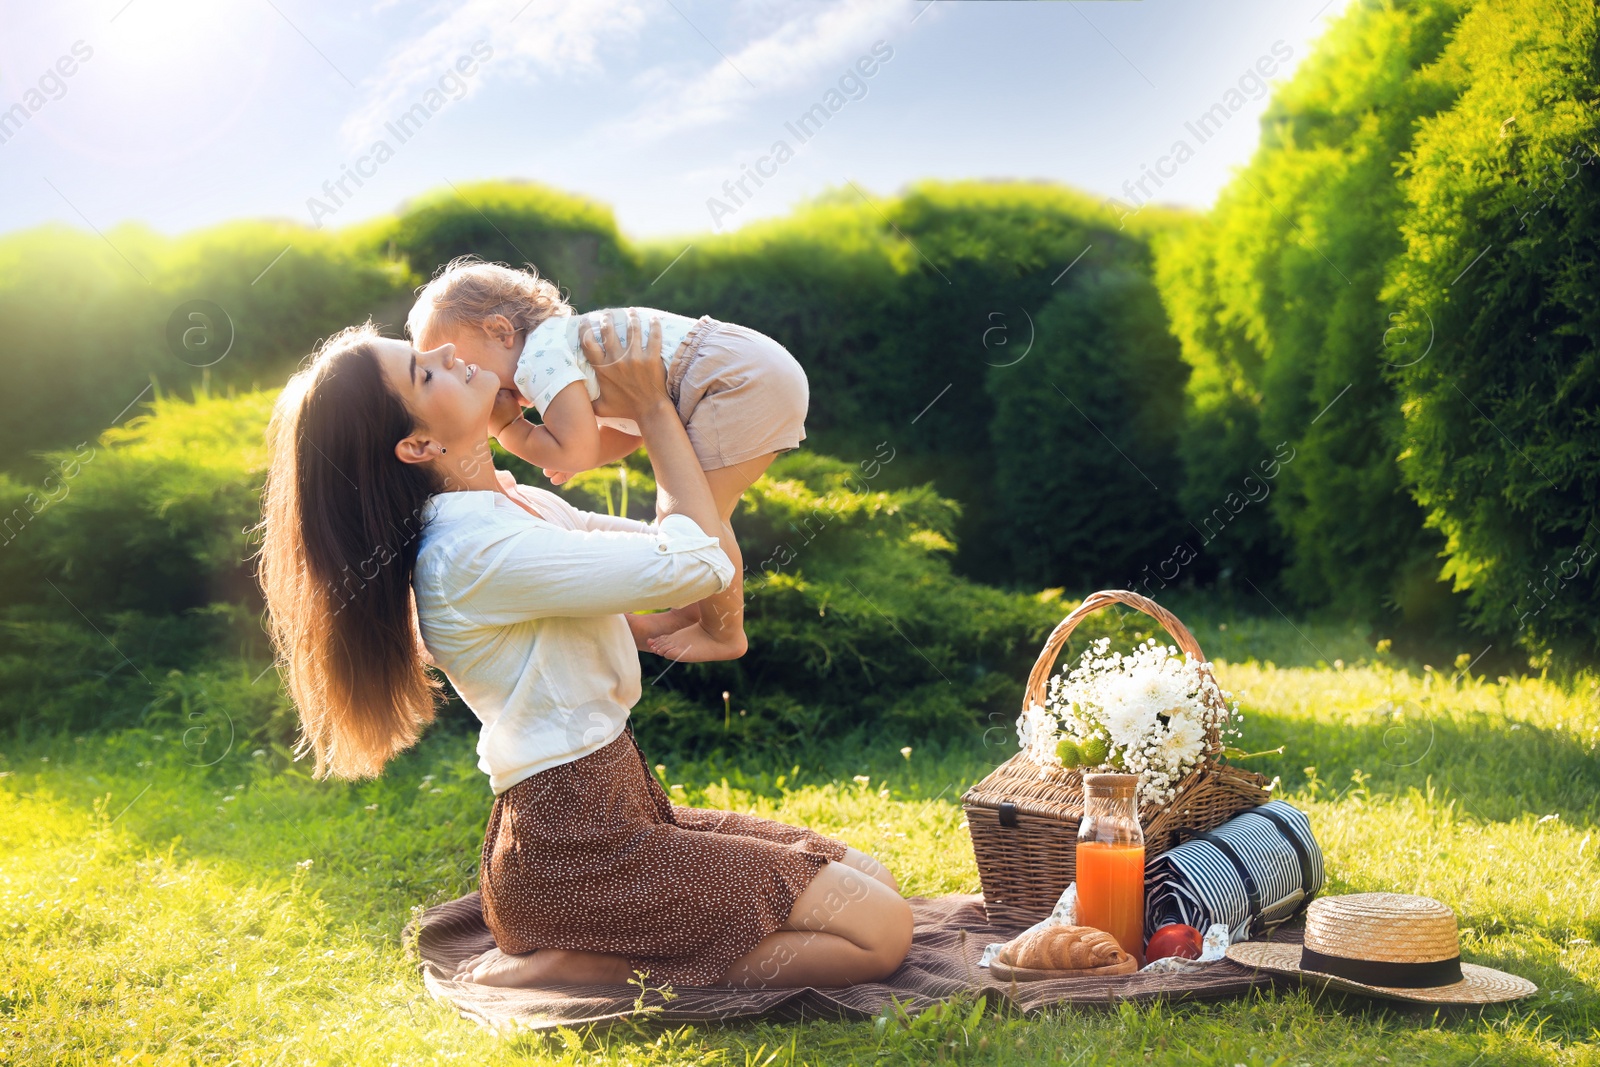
1125, 712
1185, 736
1154, 705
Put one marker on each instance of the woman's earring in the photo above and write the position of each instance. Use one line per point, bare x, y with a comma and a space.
443, 450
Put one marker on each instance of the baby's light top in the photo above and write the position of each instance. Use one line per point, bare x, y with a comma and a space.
552, 357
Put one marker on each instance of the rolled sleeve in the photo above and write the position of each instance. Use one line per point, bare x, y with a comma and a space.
680, 533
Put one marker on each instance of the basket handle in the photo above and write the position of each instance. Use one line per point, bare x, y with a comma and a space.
1092, 603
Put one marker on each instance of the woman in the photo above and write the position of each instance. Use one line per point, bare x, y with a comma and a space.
390, 542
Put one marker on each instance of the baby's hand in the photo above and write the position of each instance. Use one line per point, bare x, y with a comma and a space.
507, 410
556, 477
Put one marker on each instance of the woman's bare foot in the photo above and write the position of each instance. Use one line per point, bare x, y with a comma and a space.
500, 968
659, 624
542, 967
693, 645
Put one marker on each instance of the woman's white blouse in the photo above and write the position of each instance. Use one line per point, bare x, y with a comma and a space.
524, 616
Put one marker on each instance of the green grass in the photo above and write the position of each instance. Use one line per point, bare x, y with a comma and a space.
154, 911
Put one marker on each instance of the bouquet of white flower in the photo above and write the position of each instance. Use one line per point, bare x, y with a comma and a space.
1155, 712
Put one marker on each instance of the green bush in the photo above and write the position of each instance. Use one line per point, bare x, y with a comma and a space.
886, 303
87, 331
1296, 441
1501, 436
1436, 406
1275, 297
568, 238
900, 310
61, 671
1084, 436
152, 518
129, 566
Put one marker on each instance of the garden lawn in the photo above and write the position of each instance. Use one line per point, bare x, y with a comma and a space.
154, 911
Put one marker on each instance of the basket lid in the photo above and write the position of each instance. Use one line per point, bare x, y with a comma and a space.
1053, 792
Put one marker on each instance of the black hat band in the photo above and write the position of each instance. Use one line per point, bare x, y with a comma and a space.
1384, 973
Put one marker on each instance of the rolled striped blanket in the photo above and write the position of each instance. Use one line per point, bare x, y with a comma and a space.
1252, 873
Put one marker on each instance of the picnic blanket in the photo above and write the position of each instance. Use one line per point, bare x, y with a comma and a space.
948, 938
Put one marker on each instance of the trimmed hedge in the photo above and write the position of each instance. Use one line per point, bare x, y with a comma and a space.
1501, 434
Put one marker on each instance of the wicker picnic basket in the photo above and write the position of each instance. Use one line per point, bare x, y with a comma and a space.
1024, 826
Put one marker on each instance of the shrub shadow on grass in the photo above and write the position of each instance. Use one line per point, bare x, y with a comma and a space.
1498, 771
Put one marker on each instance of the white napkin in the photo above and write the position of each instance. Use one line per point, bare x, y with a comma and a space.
1213, 949
1065, 913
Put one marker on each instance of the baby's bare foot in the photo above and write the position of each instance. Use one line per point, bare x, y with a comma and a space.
645, 627
693, 645
640, 631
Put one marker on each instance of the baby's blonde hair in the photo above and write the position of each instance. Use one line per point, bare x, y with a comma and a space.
467, 291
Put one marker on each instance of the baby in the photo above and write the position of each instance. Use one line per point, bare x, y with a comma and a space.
741, 395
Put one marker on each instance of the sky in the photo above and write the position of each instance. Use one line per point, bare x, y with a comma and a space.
184, 113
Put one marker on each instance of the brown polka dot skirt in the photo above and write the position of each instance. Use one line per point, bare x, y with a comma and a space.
593, 855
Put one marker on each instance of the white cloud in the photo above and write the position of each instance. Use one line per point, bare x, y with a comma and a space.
551, 39
805, 48
547, 38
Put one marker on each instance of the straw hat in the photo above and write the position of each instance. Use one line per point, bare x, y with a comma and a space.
1385, 945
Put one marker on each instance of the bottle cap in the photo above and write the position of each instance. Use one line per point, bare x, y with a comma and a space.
1110, 785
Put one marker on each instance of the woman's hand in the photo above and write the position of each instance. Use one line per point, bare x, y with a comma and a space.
632, 381
634, 386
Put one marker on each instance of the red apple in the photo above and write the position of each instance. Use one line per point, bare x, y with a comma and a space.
1174, 939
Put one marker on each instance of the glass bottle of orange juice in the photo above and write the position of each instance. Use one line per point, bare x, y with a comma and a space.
1111, 860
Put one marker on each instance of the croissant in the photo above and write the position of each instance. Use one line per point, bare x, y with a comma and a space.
1068, 948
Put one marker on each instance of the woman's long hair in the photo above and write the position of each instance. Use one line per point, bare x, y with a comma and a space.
341, 519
